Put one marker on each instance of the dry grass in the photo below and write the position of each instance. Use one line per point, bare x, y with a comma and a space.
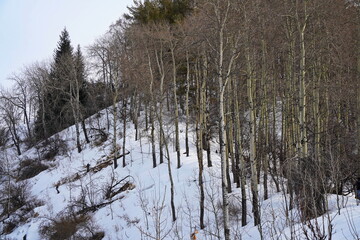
70, 226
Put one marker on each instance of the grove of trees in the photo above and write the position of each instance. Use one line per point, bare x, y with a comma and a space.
272, 86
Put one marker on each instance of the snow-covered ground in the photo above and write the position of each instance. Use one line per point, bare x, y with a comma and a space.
144, 211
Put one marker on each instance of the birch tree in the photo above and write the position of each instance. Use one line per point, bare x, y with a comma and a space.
219, 15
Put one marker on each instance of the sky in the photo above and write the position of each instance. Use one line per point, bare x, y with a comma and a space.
30, 29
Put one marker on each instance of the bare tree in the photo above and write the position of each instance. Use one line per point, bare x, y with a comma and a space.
11, 116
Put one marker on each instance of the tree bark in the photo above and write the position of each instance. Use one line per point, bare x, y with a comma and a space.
124, 115
152, 111
199, 148
303, 142
177, 140
187, 104
253, 161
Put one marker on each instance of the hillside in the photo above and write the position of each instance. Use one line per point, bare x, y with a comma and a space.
139, 206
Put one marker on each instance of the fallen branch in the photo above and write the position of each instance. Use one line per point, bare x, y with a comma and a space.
113, 191
97, 206
81, 174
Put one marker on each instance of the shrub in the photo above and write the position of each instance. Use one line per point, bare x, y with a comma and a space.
307, 180
69, 225
98, 135
4, 137
234, 209
8, 227
15, 196
30, 168
98, 236
62, 228
53, 147
16, 204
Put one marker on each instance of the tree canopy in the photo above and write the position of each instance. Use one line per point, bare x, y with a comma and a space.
154, 11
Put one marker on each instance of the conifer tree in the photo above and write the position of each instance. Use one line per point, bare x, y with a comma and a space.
83, 93
156, 11
67, 71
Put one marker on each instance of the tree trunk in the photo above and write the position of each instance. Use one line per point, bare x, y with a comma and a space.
75, 102
358, 87
222, 138
303, 142
199, 149
15, 136
240, 162
177, 141
253, 161
172, 203
77, 129
236, 132
115, 149
42, 100
228, 148
187, 104
265, 121
160, 64
124, 115
152, 111
85, 131
206, 107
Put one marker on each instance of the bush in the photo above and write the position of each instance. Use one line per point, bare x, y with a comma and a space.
98, 135
15, 196
69, 225
98, 236
307, 180
4, 137
8, 227
16, 204
53, 147
62, 228
30, 168
234, 209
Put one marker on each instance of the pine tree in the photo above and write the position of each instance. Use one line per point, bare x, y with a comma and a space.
64, 47
65, 85
80, 76
82, 89
155, 11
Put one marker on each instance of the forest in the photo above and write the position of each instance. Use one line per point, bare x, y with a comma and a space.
271, 86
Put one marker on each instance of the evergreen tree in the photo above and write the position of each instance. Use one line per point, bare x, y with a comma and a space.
154, 11
80, 76
83, 97
64, 47
67, 71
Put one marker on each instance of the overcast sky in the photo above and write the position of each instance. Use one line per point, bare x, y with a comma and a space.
30, 29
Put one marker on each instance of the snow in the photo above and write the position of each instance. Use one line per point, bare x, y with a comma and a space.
137, 212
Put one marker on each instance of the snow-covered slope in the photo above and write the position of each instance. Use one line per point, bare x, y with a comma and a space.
142, 211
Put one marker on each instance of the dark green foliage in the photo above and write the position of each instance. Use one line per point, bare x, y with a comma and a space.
154, 11
64, 47
55, 99
98, 100
80, 75
67, 80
